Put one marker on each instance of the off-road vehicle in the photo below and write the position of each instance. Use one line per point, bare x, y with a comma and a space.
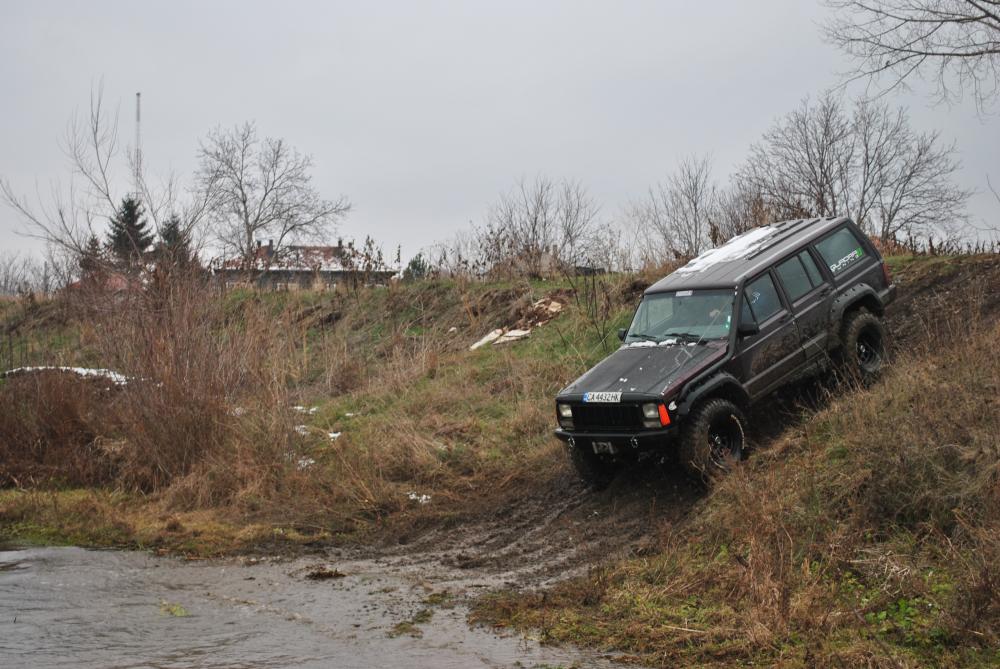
766, 308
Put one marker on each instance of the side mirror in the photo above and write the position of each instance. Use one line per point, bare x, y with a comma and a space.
748, 329
621, 334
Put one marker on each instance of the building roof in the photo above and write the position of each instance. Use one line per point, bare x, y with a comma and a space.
744, 255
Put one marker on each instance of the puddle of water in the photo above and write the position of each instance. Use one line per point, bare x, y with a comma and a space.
109, 609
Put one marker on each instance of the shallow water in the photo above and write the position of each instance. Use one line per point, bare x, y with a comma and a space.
74, 607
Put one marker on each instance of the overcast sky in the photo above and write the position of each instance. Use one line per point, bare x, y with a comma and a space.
421, 113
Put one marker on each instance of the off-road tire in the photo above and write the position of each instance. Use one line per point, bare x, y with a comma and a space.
596, 472
713, 439
863, 346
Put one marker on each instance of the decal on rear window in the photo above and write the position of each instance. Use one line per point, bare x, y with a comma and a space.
847, 260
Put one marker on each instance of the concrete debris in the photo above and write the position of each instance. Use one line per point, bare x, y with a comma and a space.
512, 335
538, 314
488, 339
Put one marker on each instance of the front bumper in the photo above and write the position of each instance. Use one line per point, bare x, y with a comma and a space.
621, 442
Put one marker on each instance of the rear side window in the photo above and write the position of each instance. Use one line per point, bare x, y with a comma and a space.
799, 275
761, 299
840, 250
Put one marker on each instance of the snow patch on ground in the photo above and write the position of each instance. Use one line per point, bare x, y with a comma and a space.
83, 372
419, 499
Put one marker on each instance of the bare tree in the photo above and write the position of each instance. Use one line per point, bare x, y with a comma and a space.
68, 217
256, 188
538, 223
801, 166
740, 208
676, 215
868, 164
955, 42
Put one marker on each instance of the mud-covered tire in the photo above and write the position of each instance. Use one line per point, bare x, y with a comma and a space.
595, 472
862, 354
713, 439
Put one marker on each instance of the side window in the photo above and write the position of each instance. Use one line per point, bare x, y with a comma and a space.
763, 298
840, 250
794, 278
814, 276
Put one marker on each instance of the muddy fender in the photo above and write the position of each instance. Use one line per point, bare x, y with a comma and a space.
723, 385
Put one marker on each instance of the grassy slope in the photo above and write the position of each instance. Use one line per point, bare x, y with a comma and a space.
417, 411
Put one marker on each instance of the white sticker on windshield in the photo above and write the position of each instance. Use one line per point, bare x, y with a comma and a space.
684, 293
604, 397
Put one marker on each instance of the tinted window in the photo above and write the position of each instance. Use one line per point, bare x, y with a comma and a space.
840, 250
814, 276
794, 278
763, 298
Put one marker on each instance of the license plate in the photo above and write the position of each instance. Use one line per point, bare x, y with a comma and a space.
602, 397
604, 447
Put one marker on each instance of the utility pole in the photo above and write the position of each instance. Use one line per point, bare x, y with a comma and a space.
138, 149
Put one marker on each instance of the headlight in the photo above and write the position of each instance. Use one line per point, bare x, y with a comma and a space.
655, 415
565, 411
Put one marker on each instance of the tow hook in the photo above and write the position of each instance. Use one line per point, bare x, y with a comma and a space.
571, 442
634, 442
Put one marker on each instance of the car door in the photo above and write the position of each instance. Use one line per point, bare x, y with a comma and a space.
767, 357
809, 294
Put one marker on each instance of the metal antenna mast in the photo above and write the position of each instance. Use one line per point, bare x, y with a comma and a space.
138, 148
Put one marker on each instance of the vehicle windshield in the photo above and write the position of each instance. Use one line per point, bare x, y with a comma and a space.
687, 315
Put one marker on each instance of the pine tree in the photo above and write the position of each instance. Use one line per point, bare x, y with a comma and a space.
174, 246
92, 257
129, 236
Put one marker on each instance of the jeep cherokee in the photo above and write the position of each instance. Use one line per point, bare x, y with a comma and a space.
768, 307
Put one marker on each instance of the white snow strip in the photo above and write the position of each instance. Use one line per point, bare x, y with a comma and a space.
735, 249
306, 463
85, 372
302, 429
302, 409
333, 435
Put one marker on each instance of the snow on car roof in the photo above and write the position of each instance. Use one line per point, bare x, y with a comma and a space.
727, 265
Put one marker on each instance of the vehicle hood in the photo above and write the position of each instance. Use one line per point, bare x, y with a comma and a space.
647, 369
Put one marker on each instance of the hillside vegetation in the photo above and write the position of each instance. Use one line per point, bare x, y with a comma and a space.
863, 529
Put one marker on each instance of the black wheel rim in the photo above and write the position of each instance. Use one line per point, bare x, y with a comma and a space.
725, 440
869, 348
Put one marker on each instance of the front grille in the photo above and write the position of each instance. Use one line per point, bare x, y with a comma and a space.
607, 417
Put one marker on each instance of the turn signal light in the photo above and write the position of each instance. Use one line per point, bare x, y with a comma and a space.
664, 416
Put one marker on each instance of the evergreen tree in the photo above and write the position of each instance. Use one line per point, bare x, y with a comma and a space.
129, 236
92, 257
174, 244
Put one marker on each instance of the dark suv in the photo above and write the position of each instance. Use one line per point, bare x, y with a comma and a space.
768, 307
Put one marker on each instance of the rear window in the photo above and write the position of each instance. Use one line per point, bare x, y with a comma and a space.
799, 275
840, 250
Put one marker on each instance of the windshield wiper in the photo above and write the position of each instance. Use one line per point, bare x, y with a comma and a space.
643, 336
689, 336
